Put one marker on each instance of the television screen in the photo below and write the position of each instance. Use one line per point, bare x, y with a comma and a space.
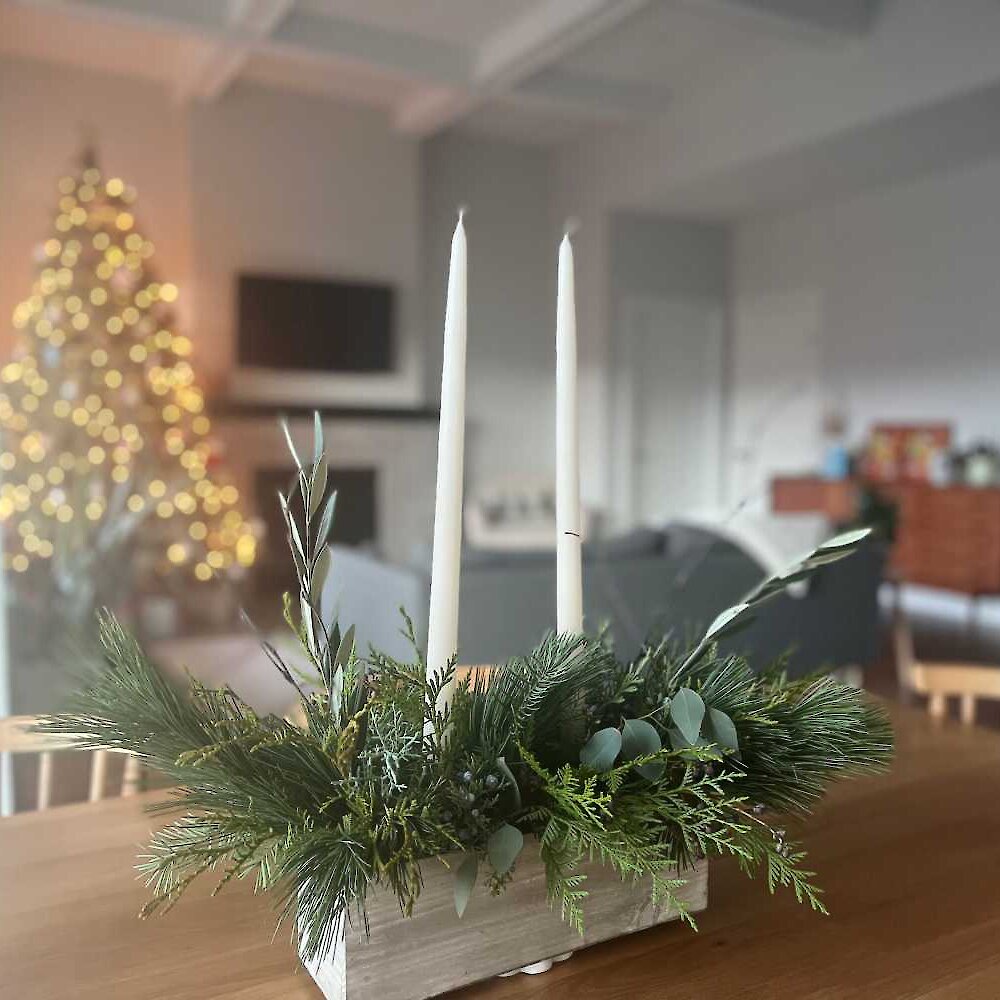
314, 324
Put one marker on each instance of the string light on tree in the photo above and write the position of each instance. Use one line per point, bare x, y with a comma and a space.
105, 442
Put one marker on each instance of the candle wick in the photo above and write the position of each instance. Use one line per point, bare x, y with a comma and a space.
572, 227
462, 209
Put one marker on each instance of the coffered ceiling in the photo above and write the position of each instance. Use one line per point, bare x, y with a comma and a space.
536, 70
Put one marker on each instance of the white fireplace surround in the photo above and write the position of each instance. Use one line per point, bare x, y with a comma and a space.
401, 449
398, 389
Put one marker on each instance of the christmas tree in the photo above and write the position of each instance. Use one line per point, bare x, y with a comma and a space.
106, 449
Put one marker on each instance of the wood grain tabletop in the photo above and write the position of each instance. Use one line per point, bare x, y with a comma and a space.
910, 862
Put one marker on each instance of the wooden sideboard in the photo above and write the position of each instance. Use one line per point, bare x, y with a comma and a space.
946, 536
836, 499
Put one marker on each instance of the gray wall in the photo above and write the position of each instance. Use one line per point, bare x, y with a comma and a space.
676, 258
512, 240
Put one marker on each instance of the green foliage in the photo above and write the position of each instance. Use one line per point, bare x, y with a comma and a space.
639, 739
687, 711
465, 882
644, 766
601, 750
505, 844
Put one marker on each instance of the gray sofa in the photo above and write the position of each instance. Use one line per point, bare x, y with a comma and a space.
644, 584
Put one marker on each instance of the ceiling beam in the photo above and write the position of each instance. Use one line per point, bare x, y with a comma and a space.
394, 52
453, 79
818, 20
300, 35
568, 91
543, 34
218, 63
187, 17
531, 42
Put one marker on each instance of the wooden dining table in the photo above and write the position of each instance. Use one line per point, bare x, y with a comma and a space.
910, 862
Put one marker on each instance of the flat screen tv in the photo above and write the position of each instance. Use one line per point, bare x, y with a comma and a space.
320, 341
314, 324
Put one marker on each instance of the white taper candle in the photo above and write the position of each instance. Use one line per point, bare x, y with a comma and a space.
442, 627
569, 574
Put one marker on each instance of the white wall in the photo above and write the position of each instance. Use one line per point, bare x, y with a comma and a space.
258, 180
296, 185
575, 197
513, 239
887, 303
753, 137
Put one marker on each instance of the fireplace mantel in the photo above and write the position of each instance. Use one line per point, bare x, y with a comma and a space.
228, 409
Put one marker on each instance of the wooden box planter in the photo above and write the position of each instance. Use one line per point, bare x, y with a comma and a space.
410, 958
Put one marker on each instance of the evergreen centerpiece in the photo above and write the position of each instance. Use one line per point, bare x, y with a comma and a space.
644, 767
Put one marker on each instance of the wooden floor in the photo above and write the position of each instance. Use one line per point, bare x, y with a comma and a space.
911, 863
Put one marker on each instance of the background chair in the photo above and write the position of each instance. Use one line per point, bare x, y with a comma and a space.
17, 737
941, 680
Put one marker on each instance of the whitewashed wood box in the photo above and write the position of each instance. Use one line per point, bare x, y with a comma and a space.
410, 958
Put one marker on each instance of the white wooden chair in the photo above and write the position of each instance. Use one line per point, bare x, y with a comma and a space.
940, 680
16, 737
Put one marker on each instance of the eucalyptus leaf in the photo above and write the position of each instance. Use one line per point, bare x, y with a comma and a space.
687, 711
779, 582
793, 574
293, 529
317, 485
288, 441
639, 739
309, 624
831, 551
818, 558
337, 691
601, 750
335, 636
726, 622
511, 781
297, 558
678, 741
346, 648
722, 729
321, 570
796, 573
317, 437
326, 519
652, 771
303, 482
846, 540
465, 882
503, 847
